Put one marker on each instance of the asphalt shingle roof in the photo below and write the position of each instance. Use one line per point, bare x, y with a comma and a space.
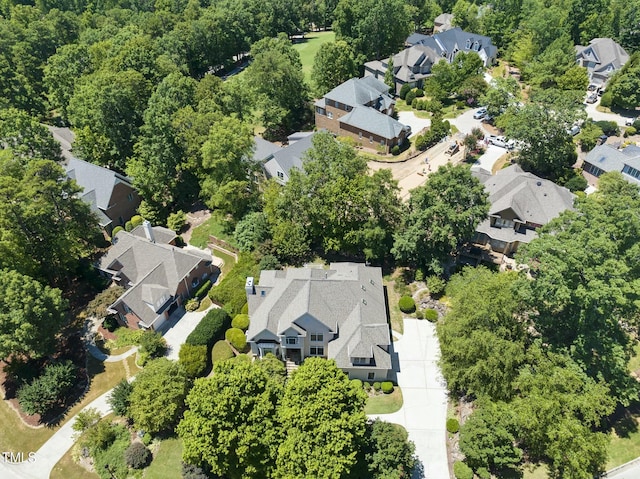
95, 178
609, 159
289, 157
372, 121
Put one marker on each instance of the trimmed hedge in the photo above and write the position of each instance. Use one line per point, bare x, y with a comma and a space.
203, 290
193, 359
387, 387
210, 329
137, 220
431, 315
192, 305
462, 471
376, 386
357, 383
221, 351
407, 304
236, 338
230, 292
137, 456
453, 426
245, 309
241, 321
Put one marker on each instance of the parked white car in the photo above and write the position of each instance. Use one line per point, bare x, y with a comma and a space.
629, 121
479, 115
501, 141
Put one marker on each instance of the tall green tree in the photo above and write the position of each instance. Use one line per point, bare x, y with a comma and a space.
31, 316
389, 453
230, 424
334, 64
443, 213
323, 414
26, 137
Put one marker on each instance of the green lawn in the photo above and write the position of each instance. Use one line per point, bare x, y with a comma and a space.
308, 49
213, 226
384, 403
229, 261
166, 460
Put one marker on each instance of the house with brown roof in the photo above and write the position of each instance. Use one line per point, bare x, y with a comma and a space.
361, 108
157, 276
521, 203
338, 313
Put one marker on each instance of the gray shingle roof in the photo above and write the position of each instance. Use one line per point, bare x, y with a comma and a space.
605, 53
358, 91
372, 121
290, 157
348, 299
152, 270
448, 41
95, 178
160, 233
264, 149
609, 159
531, 198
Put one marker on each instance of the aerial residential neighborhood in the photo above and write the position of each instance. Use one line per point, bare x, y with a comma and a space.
369, 239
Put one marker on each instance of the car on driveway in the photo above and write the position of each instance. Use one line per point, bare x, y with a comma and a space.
453, 148
630, 121
480, 114
500, 141
592, 98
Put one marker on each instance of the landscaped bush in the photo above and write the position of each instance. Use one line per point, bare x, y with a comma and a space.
86, 419
431, 315
189, 471
419, 92
453, 426
367, 385
176, 221
607, 99
609, 128
192, 305
462, 471
376, 386
236, 338
203, 289
119, 398
137, 220
152, 344
193, 359
436, 285
460, 104
147, 438
125, 337
407, 304
269, 261
245, 309
210, 329
49, 389
241, 321
137, 456
630, 131
395, 151
99, 436
483, 473
404, 90
387, 387
116, 230
221, 351
357, 383
576, 183
128, 226
230, 292
419, 314
410, 97
107, 443
110, 323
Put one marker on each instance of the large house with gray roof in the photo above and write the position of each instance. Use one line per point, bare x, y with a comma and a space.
361, 108
157, 276
110, 195
605, 158
277, 162
413, 64
520, 203
602, 57
338, 313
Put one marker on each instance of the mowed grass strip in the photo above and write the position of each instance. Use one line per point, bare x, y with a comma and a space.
308, 49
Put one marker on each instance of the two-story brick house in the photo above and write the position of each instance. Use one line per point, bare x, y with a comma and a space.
361, 108
339, 313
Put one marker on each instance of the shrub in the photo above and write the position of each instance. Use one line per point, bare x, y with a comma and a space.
110, 323
376, 386
147, 438
419, 92
462, 471
407, 304
176, 221
241, 321
86, 419
230, 292
453, 426
236, 338
460, 104
420, 105
221, 351
404, 90
137, 220
357, 383
395, 151
419, 314
431, 315
420, 143
49, 389
576, 183
115, 231
609, 128
410, 97
269, 261
119, 398
128, 226
203, 289
137, 456
419, 276
367, 385
630, 131
193, 359
210, 329
192, 305
387, 387
189, 471
433, 106
607, 99
99, 436
436, 285
636, 124
483, 473
152, 344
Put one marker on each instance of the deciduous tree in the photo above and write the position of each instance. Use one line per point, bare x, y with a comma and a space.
334, 64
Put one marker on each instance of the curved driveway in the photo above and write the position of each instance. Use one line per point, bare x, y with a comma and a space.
424, 392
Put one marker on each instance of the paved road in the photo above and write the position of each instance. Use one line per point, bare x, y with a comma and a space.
630, 470
424, 411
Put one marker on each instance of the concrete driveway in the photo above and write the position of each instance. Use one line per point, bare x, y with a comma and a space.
424, 411
601, 116
489, 157
179, 327
416, 124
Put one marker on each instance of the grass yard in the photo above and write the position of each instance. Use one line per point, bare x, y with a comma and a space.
308, 49
16, 436
624, 449
384, 403
394, 309
229, 261
213, 226
67, 468
167, 460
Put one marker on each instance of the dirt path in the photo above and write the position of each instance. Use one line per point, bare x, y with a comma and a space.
194, 219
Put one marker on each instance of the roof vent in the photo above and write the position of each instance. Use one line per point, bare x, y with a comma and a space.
363, 288
539, 183
364, 301
371, 281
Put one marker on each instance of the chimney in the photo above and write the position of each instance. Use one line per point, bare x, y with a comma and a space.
148, 231
249, 287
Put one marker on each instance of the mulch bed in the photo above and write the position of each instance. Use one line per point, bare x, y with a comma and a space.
73, 349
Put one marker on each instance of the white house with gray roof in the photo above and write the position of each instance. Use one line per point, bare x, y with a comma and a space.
602, 57
413, 64
338, 313
157, 277
605, 158
520, 203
